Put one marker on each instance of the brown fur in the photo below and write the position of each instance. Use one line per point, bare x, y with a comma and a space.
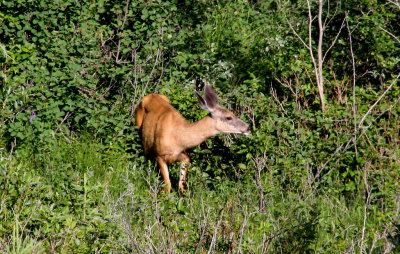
167, 135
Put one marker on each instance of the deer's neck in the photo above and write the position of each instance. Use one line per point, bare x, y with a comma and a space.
195, 133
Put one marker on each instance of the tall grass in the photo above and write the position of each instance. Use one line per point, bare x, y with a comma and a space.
90, 197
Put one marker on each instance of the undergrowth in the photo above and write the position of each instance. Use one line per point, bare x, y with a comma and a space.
309, 179
89, 197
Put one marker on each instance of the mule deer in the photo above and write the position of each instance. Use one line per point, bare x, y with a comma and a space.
167, 135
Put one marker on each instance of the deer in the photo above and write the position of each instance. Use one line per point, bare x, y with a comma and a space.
167, 135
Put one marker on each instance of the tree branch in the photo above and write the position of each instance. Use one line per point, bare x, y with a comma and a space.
377, 101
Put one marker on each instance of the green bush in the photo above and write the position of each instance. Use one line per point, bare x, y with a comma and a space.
73, 175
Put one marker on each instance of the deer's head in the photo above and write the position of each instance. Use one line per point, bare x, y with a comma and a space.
225, 120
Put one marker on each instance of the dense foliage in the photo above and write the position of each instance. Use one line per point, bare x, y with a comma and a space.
73, 177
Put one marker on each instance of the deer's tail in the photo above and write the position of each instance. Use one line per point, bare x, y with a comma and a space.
140, 114
149, 103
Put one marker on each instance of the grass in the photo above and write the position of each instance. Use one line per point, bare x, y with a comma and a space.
89, 197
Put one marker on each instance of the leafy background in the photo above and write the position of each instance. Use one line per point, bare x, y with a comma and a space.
73, 174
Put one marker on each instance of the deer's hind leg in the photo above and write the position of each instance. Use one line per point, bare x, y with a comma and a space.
185, 162
164, 172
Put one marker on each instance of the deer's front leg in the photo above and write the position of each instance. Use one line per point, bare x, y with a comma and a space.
185, 163
164, 172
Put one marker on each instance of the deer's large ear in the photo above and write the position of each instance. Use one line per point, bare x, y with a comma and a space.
210, 97
202, 102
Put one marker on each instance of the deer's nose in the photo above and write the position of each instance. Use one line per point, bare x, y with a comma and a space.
247, 129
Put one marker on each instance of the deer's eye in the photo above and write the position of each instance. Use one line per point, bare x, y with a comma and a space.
228, 118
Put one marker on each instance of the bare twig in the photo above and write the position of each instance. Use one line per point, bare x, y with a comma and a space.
390, 34
242, 229
214, 238
353, 138
383, 112
125, 15
395, 3
319, 55
274, 95
310, 20
260, 163
295, 33
354, 85
319, 62
360, 125
337, 151
367, 202
334, 40
202, 226
121, 28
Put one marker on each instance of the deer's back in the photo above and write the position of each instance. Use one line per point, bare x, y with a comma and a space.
159, 124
